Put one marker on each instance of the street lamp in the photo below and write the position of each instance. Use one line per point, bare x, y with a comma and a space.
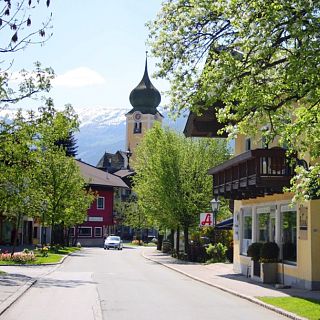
128, 154
215, 204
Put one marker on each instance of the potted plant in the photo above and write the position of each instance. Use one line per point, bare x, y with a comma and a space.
269, 258
254, 252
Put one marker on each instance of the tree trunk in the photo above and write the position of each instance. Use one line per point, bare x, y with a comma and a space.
75, 239
178, 240
186, 239
159, 243
16, 227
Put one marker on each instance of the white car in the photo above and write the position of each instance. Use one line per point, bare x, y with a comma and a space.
113, 242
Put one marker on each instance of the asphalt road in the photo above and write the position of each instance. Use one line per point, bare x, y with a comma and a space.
127, 286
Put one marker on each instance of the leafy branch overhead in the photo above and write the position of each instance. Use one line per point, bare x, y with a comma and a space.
260, 58
19, 27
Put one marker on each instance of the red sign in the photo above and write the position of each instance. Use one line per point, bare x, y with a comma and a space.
206, 219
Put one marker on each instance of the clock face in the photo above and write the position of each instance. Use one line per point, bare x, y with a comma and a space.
137, 116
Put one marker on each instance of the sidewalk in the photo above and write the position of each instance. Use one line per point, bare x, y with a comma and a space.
17, 280
222, 276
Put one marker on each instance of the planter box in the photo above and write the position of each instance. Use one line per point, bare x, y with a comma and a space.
269, 272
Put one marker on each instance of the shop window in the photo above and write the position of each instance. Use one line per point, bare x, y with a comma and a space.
246, 230
100, 203
266, 224
98, 232
85, 232
289, 234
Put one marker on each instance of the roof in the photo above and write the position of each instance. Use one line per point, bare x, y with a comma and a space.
145, 97
97, 177
112, 162
204, 124
124, 173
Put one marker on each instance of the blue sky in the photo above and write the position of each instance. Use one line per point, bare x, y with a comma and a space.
97, 51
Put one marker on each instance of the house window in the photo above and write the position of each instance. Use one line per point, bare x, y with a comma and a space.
246, 230
85, 232
266, 224
248, 144
137, 127
98, 232
289, 234
100, 203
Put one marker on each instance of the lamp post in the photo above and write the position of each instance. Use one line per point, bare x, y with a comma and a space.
215, 204
128, 154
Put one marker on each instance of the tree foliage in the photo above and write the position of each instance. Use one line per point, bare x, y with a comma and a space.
17, 26
260, 58
171, 181
37, 178
23, 23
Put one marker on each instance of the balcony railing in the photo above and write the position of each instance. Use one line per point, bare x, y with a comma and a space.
252, 174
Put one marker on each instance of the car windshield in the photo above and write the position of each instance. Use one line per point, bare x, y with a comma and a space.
114, 238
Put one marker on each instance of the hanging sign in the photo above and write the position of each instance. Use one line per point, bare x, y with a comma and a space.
206, 219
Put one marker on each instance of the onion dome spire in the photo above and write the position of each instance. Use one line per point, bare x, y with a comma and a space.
145, 97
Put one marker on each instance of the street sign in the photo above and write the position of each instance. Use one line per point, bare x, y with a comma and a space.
206, 219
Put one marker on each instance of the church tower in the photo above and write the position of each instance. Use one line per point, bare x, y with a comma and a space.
145, 99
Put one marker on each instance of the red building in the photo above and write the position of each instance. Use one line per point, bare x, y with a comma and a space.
100, 222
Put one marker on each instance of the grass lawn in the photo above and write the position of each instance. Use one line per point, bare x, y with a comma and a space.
53, 257
307, 308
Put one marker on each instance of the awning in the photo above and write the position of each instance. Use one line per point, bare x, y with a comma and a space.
225, 224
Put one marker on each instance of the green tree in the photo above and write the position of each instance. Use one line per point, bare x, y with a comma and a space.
171, 181
67, 198
37, 178
135, 216
260, 58
19, 192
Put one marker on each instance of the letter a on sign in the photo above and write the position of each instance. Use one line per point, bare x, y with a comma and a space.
206, 219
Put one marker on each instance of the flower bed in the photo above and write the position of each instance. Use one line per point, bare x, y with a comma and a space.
18, 257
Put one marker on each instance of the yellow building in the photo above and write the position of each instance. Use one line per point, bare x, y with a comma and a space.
145, 99
254, 179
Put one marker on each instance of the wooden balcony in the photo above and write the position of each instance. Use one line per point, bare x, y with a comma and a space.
252, 174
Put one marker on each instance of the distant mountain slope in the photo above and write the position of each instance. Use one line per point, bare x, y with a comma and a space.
104, 129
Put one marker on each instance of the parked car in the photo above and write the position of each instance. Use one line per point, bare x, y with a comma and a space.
114, 242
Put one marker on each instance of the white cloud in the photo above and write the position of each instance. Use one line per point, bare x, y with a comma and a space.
79, 77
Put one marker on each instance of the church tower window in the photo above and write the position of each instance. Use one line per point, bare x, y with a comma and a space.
137, 127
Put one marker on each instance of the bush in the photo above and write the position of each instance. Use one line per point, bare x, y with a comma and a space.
269, 252
137, 242
197, 253
44, 251
254, 251
217, 252
18, 257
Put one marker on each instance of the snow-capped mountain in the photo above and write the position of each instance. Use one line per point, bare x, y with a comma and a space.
102, 129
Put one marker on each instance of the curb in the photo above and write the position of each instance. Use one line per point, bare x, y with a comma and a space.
240, 295
15, 296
